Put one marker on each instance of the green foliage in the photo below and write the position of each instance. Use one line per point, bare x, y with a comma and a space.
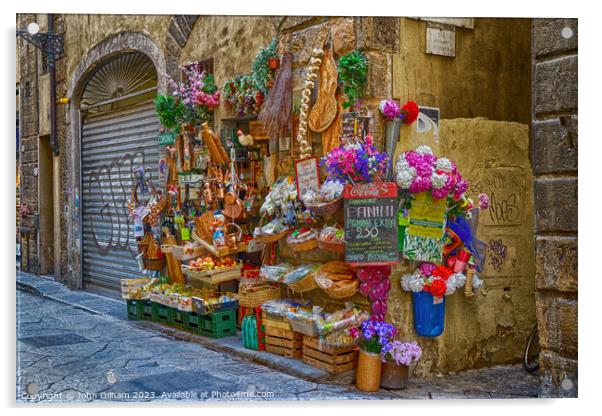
353, 71
209, 86
261, 72
169, 111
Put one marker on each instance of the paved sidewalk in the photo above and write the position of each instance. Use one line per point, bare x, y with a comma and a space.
72, 344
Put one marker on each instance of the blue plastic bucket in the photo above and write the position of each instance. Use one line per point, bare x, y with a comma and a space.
429, 318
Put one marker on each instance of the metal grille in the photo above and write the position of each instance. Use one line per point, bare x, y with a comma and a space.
113, 144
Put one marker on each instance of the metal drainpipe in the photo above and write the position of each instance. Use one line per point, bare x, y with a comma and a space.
52, 72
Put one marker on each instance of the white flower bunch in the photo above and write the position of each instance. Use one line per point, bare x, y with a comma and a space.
444, 164
455, 281
413, 282
438, 180
405, 173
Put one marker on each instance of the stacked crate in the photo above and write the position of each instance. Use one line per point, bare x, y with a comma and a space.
280, 338
334, 360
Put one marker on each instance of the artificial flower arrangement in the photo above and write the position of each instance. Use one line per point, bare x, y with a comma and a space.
372, 336
402, 353
408, 114
435, 279
197, 95
356, 162
246, 93
421, 171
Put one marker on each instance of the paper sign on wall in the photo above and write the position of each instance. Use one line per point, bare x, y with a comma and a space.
424, 234
308, 175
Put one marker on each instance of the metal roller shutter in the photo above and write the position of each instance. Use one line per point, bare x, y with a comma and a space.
113, 144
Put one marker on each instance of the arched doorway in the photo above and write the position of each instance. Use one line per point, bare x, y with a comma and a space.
118, 134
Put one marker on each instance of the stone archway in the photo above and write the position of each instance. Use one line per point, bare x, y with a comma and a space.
110, 46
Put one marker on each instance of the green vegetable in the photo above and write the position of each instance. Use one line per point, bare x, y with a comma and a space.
353, 71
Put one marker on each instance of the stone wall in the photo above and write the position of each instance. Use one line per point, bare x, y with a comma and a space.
554, 138
488, 77
28, 114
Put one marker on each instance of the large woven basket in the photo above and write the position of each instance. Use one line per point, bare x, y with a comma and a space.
154, 264
304, 285
272, 238
329, 208
332, 246
344, 292
306, 245
260, 295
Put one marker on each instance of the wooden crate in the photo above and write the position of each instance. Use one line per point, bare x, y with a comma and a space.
334, 360
282, 341
275, 321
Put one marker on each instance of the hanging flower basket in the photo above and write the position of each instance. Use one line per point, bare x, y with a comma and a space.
429, 314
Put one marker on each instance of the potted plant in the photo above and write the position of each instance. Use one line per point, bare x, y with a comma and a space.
396, 359
372, 336
353, 75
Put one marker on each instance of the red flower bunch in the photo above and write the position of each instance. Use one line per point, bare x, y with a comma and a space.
437, 288
410, 110
442, 272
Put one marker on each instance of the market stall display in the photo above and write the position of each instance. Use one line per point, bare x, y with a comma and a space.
331, 228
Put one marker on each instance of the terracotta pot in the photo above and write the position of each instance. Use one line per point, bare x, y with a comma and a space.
367, 375
274, 63
393, 376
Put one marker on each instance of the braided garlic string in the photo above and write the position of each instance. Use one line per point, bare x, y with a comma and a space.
312, 75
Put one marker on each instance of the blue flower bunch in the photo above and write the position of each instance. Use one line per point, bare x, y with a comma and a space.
373, 336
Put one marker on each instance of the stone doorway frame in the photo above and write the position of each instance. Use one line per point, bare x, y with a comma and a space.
97, 55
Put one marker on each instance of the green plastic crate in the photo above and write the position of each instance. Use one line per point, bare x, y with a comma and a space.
194, 322
147, 310
218, 324
161, 313
135, 310
224, 332
179, 318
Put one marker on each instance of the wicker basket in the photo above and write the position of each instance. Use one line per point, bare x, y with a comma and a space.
306, 245
272, 238
154, 264
259, 295
332, 246
329, 208
214, 276
344, 292
304, 285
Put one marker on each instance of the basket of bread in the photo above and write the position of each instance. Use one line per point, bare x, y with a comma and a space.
337, 280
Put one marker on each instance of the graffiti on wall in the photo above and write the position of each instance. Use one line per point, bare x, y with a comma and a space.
105, 194
506, 190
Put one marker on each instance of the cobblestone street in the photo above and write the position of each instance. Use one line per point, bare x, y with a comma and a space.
69, 353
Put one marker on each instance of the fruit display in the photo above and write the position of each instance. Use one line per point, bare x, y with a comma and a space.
211, 263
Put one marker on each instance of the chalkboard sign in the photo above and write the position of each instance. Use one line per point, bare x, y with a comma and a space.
371, 224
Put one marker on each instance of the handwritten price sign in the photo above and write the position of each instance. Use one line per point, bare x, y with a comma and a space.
371, 224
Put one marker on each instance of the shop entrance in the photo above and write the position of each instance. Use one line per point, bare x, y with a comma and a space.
118, 134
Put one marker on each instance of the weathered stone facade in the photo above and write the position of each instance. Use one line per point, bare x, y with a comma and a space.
554, 136
487, 330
